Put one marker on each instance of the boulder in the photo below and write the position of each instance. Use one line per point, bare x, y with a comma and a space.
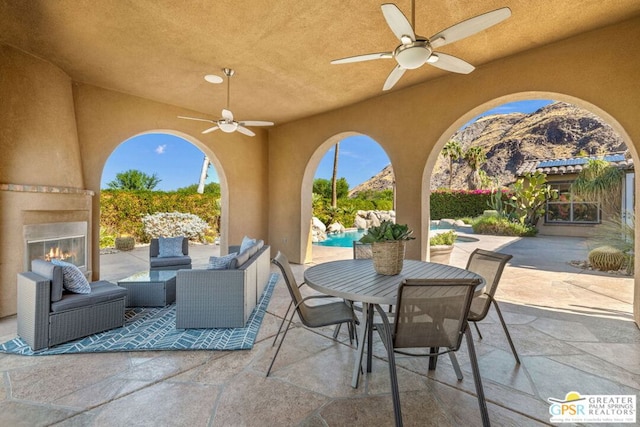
360, 223
336, 227
317, 224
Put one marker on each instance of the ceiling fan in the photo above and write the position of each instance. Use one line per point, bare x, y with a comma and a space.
414, 51
227, 123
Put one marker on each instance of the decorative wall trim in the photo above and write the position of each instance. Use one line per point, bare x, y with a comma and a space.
25, 188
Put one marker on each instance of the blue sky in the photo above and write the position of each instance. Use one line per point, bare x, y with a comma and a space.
178, 163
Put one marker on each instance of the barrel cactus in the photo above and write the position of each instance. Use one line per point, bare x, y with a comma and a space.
606, 258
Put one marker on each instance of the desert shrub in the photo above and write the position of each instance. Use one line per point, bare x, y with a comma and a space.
175, 224
107, 238
501, 226
446, 238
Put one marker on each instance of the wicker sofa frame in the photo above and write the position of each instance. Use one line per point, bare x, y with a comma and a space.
221, 298
40, 326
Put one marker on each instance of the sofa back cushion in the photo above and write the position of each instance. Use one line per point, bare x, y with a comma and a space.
170, 246
51, 272
73, 280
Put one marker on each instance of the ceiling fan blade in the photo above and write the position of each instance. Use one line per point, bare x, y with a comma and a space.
469, 27
398, 23
245, 131
393, 78
450, 63
366, 57
227, 114
256, 123
193, 118
210, 129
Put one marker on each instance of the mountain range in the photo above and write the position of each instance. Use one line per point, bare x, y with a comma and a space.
557, 130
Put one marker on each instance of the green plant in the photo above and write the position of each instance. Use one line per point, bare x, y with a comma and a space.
387, 231
107, 238
446, 238
134, 180
501, 226
529, 199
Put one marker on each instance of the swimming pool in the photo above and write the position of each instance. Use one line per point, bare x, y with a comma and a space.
346, 239
343, 240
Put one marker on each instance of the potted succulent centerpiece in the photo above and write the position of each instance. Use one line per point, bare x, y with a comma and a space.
387, 246
441, 246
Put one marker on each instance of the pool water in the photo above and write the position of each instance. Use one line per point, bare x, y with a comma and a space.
344, 240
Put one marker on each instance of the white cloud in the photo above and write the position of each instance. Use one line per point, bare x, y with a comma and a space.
160, 148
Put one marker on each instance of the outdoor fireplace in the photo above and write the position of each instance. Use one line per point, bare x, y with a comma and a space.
66, 241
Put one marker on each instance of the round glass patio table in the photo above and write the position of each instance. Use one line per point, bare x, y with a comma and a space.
356, 280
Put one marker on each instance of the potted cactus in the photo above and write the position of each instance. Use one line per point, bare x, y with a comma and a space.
388, 246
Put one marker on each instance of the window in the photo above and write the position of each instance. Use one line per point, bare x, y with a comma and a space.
569, 208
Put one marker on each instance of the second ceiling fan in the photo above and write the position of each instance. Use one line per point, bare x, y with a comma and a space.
414, 51
227, 123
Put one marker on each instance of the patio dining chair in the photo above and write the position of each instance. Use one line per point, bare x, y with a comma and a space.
431, 314
490, 266
311, 316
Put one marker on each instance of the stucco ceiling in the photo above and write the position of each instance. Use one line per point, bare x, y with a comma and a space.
280, 49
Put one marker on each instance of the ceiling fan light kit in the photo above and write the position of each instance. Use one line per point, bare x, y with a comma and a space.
414, 51
227, 123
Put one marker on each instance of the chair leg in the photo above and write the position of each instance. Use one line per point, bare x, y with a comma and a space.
484, 412
282, 323
506, 332
477, 329
456, 366
281, 341
393, 377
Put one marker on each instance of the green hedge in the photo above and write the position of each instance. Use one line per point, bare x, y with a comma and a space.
121, 211
460, 203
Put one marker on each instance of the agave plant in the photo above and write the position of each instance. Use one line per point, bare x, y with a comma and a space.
387, 231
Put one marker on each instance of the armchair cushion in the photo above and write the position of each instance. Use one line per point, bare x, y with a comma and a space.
221, 263
101, 291
51, 272
73, 279
170, 247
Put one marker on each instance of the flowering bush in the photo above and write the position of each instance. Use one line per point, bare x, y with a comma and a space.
174, 224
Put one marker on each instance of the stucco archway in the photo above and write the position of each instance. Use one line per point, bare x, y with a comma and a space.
610, 120
307, 188
224, 189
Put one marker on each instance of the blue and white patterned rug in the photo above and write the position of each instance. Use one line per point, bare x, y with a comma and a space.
155, 329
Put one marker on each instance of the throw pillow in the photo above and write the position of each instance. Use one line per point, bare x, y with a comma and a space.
73, 279
170, 247
221, 263
247, 242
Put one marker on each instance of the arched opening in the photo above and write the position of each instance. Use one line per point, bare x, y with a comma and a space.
360, 158
428, 173
177, 161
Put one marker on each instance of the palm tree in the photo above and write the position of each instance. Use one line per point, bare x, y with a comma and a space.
475, 158
600, 181
453, 151
334, 178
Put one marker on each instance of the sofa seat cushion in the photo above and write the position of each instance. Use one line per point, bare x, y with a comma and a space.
101, 291
168, 261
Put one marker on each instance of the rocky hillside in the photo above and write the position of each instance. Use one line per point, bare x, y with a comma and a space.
554, 131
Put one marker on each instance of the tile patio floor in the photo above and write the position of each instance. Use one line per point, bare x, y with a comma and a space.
572, 328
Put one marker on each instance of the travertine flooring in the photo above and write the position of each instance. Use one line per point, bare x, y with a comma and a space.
573, 330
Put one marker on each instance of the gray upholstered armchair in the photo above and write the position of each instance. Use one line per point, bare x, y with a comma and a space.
179, 260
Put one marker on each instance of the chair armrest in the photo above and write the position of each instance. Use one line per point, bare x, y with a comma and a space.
34, 304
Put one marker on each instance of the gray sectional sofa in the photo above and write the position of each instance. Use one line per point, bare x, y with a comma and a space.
222, 298
48, 315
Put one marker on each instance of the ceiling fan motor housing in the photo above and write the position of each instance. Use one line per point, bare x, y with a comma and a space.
413, 55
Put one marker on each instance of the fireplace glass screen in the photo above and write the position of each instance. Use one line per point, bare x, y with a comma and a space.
70, 249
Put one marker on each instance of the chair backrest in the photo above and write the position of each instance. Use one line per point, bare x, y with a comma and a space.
432, 312
490, 266
362, 250
154, 247
283, 263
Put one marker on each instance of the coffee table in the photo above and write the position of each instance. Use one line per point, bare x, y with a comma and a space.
155, 288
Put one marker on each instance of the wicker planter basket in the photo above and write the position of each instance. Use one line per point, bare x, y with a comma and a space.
125, 243
388, 257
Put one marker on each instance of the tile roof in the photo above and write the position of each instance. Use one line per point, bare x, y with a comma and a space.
571, 165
